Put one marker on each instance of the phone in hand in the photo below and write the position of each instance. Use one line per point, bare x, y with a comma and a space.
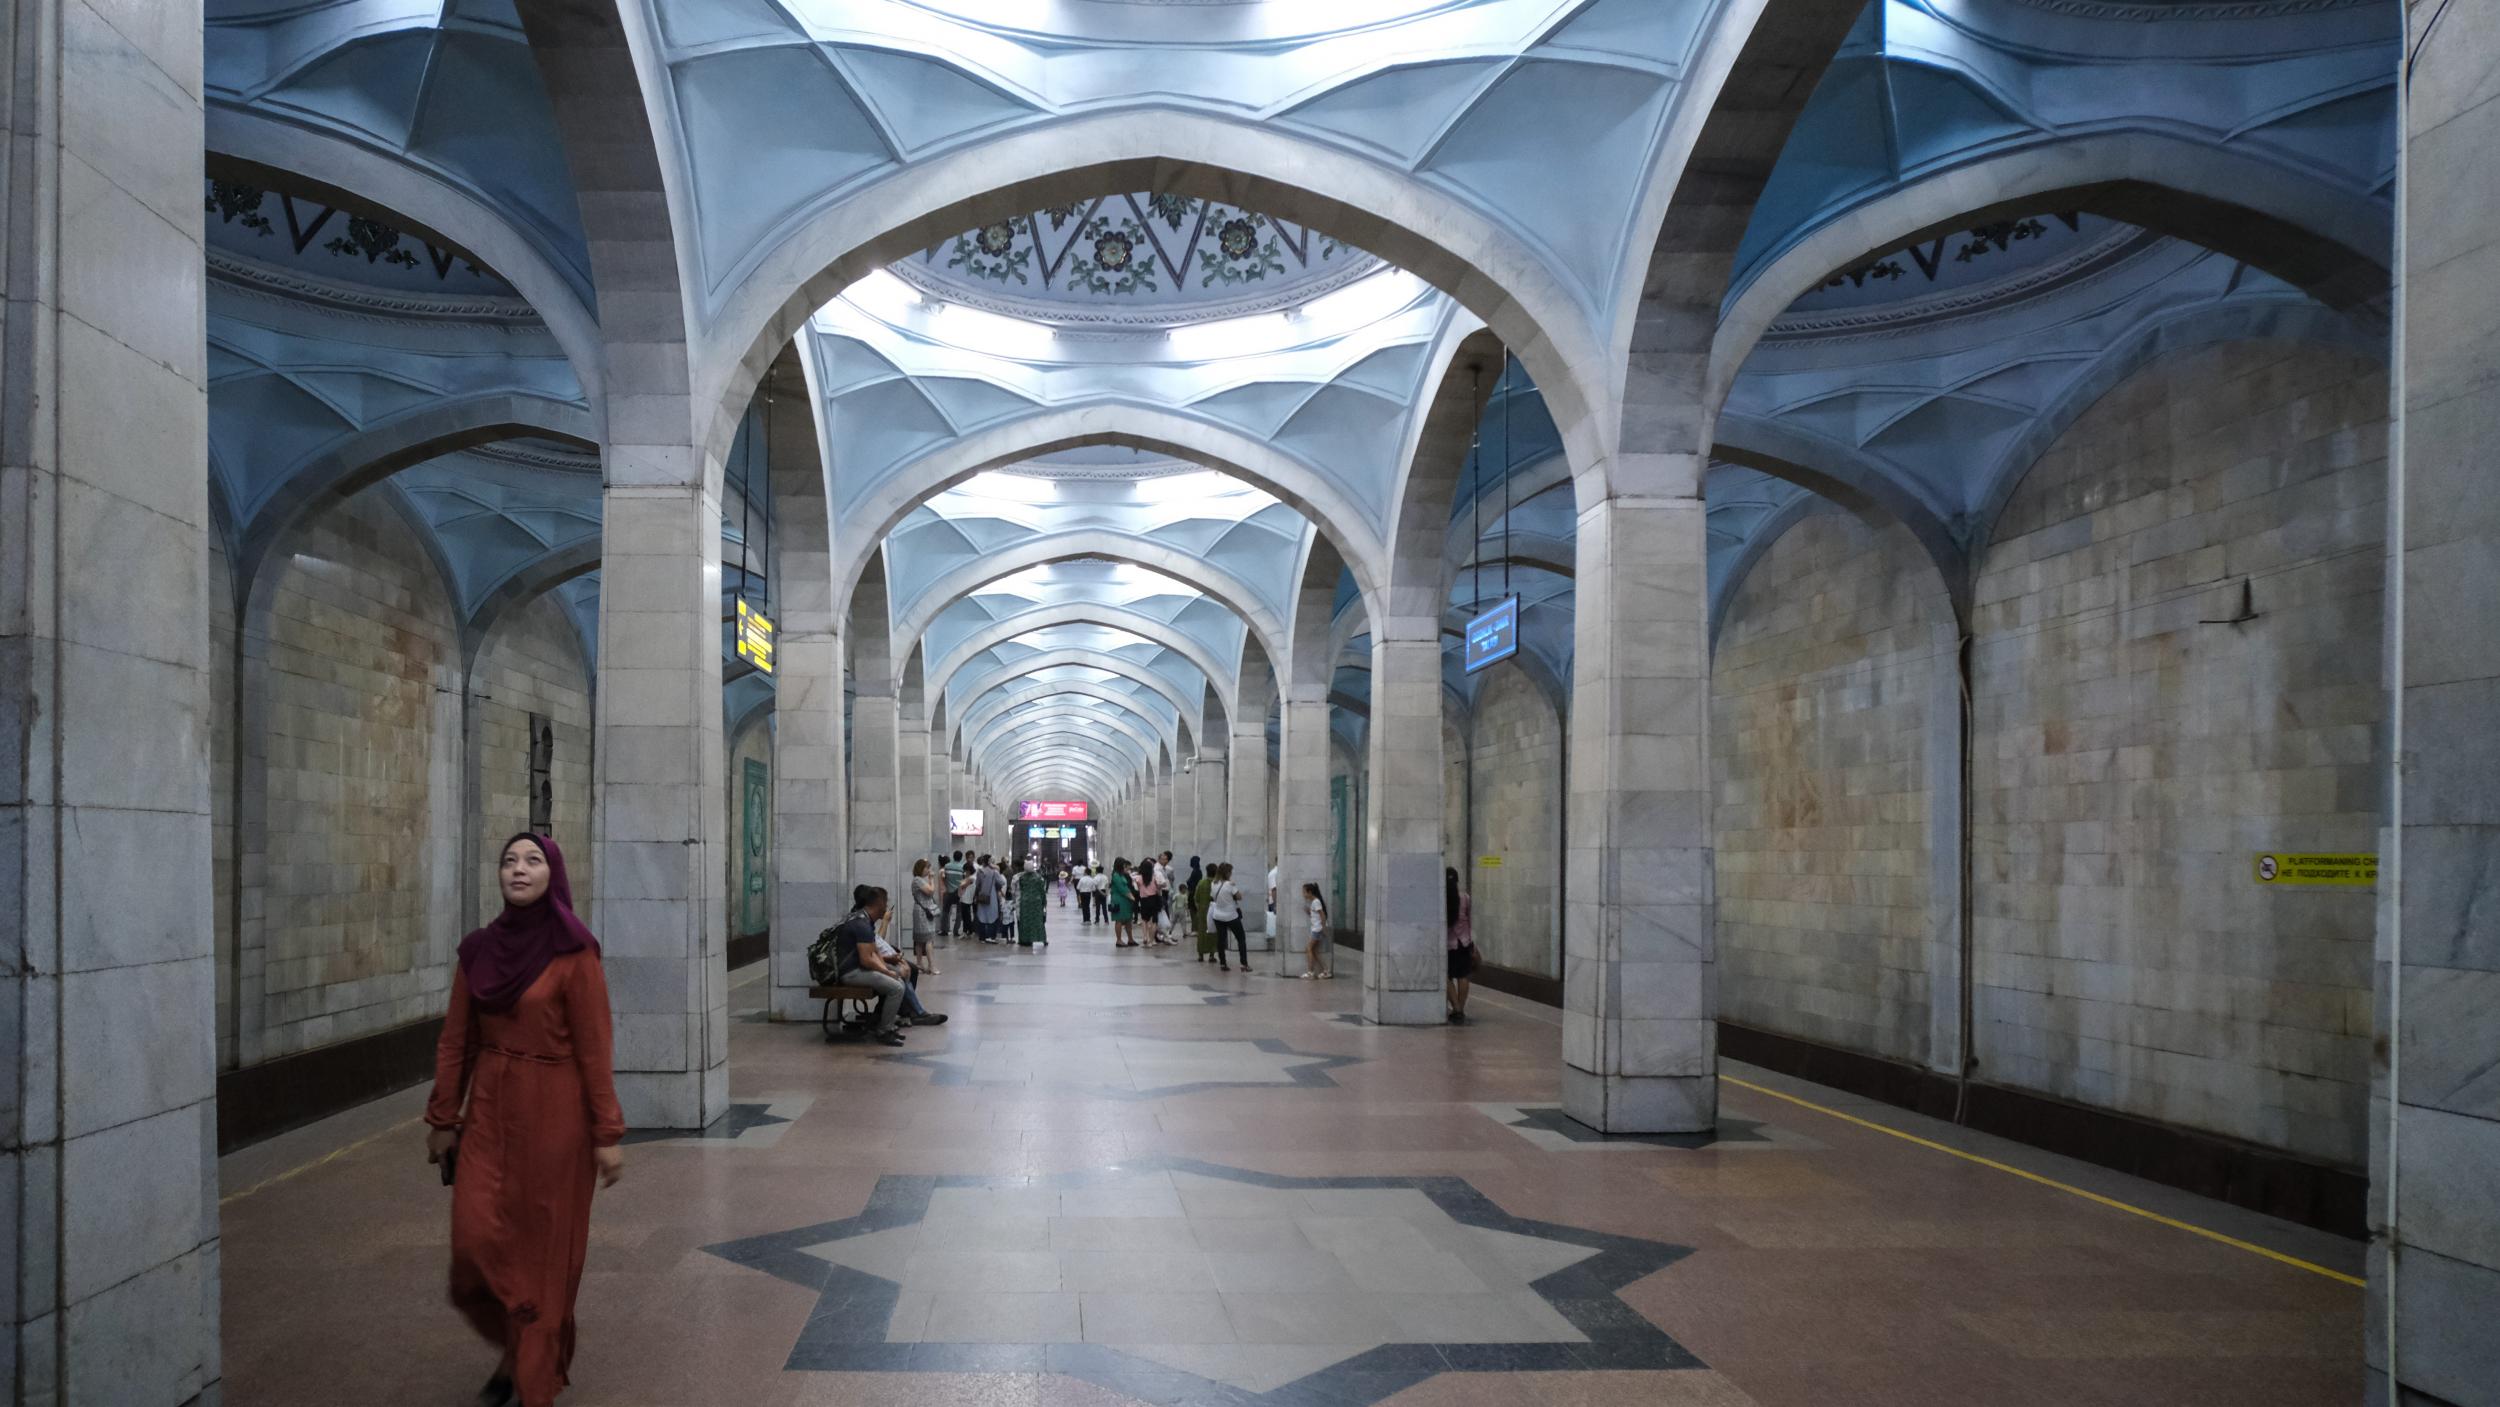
451, 1160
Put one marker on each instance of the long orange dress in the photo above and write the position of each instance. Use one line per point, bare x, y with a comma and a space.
541, 1095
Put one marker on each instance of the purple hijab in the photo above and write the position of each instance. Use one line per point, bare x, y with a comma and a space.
501, 960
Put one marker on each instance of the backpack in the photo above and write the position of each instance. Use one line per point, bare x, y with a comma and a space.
824, 958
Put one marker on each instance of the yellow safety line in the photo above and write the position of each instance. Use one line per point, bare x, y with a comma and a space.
2249, 1246
269, 1182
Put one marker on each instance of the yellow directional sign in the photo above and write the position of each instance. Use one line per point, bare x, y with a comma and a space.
1489, 862
2351, 871
755, 638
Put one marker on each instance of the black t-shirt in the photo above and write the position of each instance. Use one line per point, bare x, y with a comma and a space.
847, 937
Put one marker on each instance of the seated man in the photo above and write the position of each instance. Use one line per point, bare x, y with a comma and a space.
914, 1014
859, 964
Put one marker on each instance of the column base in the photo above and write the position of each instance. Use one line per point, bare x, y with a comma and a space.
1394, 1008
672, 1099
1641, 1103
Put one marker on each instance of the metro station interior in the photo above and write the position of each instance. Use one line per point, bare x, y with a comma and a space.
1856, 628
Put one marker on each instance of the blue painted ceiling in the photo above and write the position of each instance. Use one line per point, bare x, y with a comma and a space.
1924, 378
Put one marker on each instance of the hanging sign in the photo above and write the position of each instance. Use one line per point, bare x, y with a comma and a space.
755, 637
2348, 871
1493, 636
1051, 811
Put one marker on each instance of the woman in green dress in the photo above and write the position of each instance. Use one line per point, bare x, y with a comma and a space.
1032, 907
1123, 905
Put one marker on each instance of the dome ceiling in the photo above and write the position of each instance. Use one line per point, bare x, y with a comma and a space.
1136, 259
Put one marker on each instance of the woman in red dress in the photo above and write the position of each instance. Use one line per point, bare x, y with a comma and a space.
526, 1049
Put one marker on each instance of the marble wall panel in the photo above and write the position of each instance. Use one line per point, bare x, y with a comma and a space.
2131, 759
1822, 684
1516, 798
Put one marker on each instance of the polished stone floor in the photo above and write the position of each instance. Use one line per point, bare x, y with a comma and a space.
1124, 1177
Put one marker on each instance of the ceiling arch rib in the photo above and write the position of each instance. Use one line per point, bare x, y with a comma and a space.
1162, 727
1024, 775
1136, 550
272, 153
2254, 210
1222, 448
1262, 168
1098, 705
1135, 743
967, 692
1147, 628
1067, 741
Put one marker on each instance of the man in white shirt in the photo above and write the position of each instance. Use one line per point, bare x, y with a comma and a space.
1271, 904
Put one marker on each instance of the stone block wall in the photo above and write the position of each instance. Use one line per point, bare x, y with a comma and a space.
532, 663
1516, 778
2130, 761
1822, 686
361, 903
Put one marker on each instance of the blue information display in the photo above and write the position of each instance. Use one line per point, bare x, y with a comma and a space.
1493, 636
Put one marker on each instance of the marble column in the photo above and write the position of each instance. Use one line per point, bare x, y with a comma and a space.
1639, 1047
1208, 826
108, 1123
808, 799
1182, 834
1246, 839
934, 798
876, 714
911, 753
1403, 944
659, 797
2435, 1107
1302, 840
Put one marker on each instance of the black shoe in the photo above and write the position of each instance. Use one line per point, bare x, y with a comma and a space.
889, 1038
496, 1393
929, 1018
1458, 1018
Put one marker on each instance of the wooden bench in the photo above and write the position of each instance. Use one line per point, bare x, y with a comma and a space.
848, 1009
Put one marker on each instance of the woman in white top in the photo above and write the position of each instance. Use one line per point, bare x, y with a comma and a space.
1224, 914
1317, 908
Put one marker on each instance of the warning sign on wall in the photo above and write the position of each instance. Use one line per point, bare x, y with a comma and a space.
1489, 862
2352, 870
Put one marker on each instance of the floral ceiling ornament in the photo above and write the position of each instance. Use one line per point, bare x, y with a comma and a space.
377, 241
1157, 248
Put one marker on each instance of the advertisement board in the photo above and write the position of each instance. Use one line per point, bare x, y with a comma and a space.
963, 822
1051, 811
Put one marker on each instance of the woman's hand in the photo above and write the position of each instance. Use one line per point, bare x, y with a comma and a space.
611, 1164
440, 1141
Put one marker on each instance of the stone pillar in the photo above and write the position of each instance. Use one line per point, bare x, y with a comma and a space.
1404, 961
1302, 839
1246, 839
935, 834
1182, 834
2435, 1125
1639, 1048
107, 1116
876, 775
660, 795
1159, 820
911, 754
808, 800
1208, 826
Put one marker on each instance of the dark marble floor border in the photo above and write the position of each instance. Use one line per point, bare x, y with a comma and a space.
749, 947
986, 993
1312, 1073
845, 1333
265, 1100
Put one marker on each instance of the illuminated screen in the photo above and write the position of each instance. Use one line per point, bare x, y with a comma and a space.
1051, 811
1493, 636
963, 822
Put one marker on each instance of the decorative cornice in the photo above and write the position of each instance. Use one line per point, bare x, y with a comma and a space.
532, 457
2100, 259
252, 278
1144, 321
